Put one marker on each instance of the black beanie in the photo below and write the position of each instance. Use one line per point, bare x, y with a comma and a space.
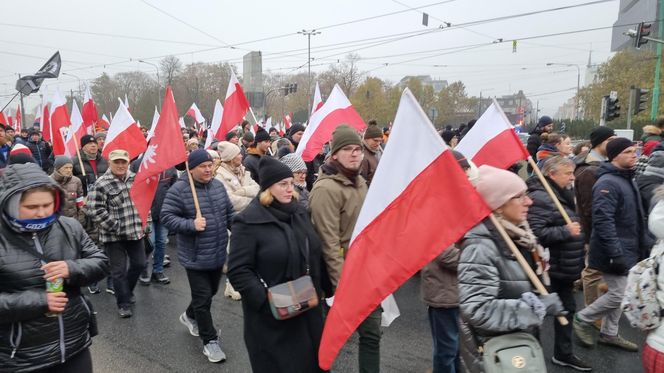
86, 139
271, 171
261, 135
295, 128
197, 157
600, 134
617, 146
20, 158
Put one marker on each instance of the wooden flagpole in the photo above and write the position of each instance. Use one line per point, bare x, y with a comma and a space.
78, 154
522, 261
193, 191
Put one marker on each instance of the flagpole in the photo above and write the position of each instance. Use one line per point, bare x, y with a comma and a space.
252, 114
524, 264
78, 154
539, 174
193, 191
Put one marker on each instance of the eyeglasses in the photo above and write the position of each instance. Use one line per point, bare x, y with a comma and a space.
352, 149
285, 184
521, 198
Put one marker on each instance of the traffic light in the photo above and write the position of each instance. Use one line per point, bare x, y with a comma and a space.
640, 100
643, 29
612, 108
289, 88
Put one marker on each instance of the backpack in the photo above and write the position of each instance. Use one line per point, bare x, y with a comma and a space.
640, 303
514, 352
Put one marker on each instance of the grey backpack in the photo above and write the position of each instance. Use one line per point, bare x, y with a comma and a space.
515, 352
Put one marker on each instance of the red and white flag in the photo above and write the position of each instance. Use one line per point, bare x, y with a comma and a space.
126, 103
19, 119
195, 113
3, 118
287, 121
492, 140
59, 122
76, 131
10, 118
236, 106
89, 114
214, 124
124, 134
318, 100
45, 123
165, 151
155, 119
393, 238
103, 124
336, 110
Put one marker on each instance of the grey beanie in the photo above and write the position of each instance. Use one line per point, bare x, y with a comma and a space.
294, 162
60, 161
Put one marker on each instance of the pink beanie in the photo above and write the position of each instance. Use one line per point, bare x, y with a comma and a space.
498, 186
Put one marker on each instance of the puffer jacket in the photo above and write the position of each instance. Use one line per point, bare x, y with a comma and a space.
619, 222
567, 251
241, 188
90, 174
42, 153
251, 163
335, 204
73, 195
439, 280
29, 340
206, 250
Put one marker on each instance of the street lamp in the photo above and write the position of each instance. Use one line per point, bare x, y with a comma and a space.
578, 84
158, 80
309, 33
79, 83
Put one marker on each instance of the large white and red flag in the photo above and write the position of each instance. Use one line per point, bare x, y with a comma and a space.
19, 119
124, 134
76, 131
89, 113
165, 151
195, 113
236, 107
318, 100
45, 122
336, 110
492, 140
59, 122
392, 238
126, 103
214, 124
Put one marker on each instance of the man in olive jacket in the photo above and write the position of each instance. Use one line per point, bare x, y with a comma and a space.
335, 203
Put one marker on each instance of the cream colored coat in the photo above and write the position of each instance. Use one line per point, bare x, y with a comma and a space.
241, 188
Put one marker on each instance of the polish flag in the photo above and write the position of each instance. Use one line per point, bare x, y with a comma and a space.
103, 124
287, 121
89, 114
10, 119
3, 119
282, 129
215, 124
76, 131
181, 122
45, 123
59, 122
19, 119
235, 107
195, 113
336, 110
318, 100
492, 140
268, 124
165, 151
124, 134
126, 103
155, 119
392, 238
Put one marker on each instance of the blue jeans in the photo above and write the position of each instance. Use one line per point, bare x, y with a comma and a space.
159, 238
445, 332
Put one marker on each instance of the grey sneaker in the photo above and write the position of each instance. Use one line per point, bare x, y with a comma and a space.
190, 324
213, 351
618, 341
584, 331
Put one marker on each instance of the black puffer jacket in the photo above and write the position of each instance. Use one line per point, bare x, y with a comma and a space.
206, 250
28, 339
42, 153
90, 175
619, 222
567, 253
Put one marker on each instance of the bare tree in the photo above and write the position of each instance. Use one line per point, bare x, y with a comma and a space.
170, 67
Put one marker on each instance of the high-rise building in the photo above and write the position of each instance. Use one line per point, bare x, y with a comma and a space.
630, 14
252, 79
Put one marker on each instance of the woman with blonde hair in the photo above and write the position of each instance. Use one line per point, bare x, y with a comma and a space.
274, 242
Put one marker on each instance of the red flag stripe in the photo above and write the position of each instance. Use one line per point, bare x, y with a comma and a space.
501, 151
323, 132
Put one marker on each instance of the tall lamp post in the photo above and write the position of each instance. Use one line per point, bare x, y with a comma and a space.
158, 80
79, 82
309, 33
578, 84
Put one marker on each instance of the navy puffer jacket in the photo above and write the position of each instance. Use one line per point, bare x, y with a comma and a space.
204, 250
619, 222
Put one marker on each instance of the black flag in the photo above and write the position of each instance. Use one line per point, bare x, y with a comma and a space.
30, 83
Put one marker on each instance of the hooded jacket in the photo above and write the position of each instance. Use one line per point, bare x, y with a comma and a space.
29, 340
250, 163
619, 222
651, 133
42, 153
241, 188
73, 195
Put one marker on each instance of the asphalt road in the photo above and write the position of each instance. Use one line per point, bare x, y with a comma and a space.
154, 341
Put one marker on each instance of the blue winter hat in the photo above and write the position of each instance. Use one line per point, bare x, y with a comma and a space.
197, 157
544, 120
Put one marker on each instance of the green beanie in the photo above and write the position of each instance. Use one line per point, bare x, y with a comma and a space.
342, 136
373, 132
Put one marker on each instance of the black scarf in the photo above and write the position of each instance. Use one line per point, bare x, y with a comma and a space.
294, 226
333, 167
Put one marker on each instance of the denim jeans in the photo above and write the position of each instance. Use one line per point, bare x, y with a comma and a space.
445, 332
125, 277
159, 238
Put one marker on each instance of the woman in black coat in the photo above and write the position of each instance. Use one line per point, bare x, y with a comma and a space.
40, 330
565, 243
273, 241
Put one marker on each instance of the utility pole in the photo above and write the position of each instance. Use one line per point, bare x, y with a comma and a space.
309, 33
22, 109
630, 107
660, 33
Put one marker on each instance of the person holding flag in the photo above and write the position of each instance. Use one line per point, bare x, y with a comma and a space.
335, 202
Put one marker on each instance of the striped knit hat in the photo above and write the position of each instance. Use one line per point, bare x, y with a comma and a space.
294, 162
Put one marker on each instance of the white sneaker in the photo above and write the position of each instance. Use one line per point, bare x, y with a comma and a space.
231, 293
213, 351
190, 324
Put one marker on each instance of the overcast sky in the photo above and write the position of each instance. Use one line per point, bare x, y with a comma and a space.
491, 68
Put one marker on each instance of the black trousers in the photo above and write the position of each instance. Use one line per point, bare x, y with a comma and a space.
79, 363
124, 279
203, 285
562, 346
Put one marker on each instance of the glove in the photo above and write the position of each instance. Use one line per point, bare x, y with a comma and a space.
617, 265
535, 303
553, 305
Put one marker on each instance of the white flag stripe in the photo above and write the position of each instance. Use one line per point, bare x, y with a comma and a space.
492, 122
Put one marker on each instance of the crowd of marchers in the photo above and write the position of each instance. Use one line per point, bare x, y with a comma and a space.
266, 218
